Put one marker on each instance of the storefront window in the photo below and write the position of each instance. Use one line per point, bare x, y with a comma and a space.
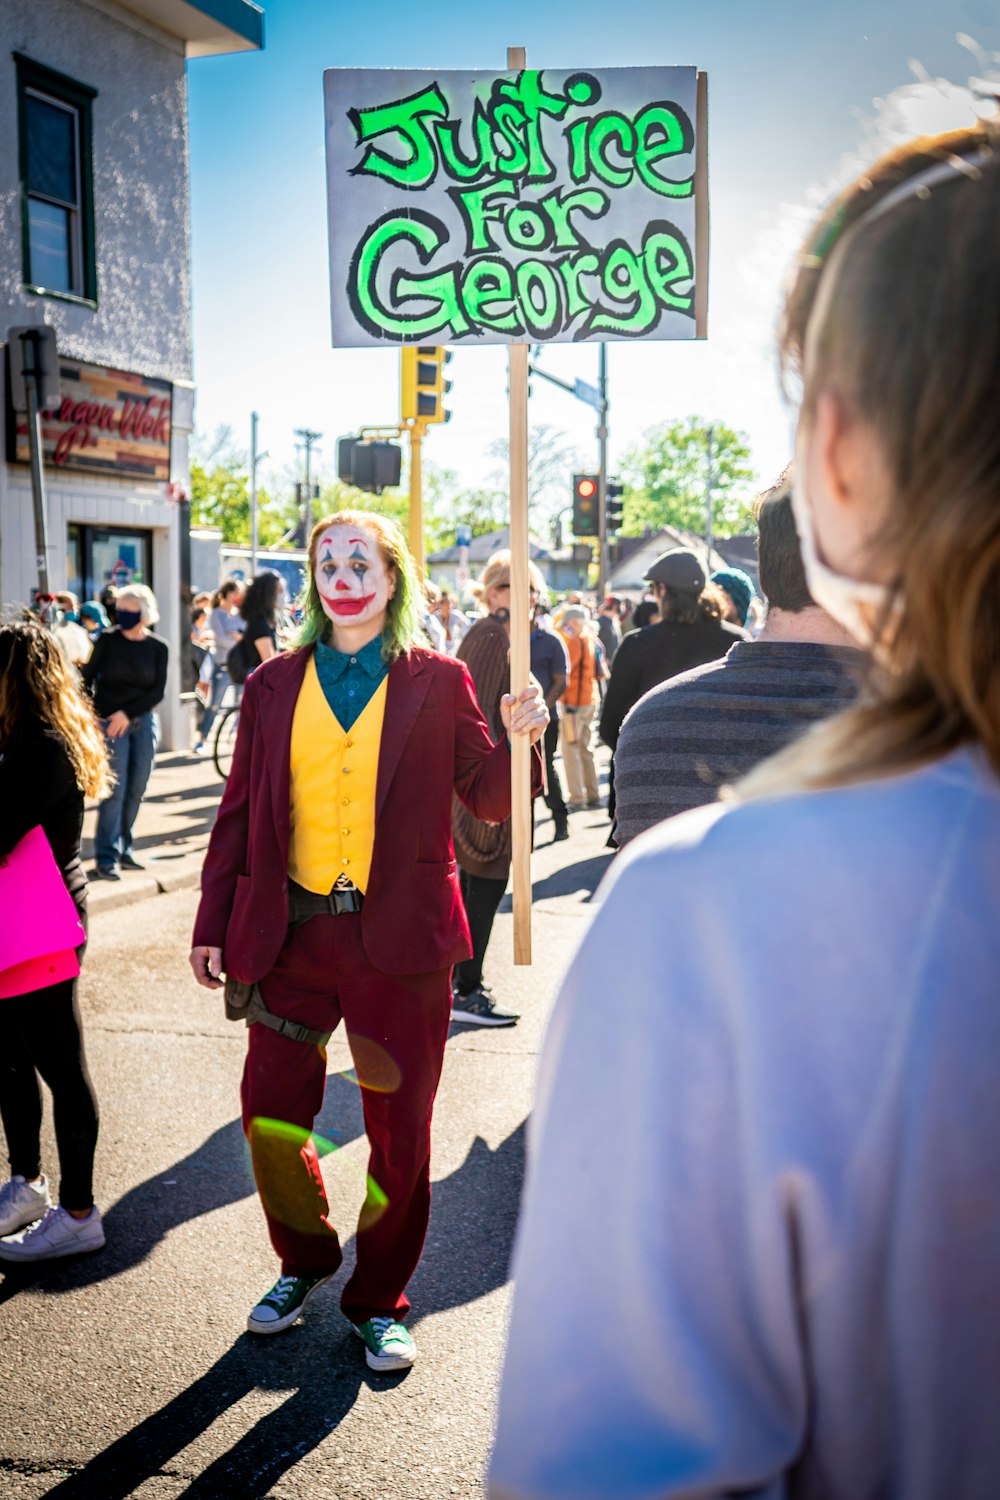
101, 555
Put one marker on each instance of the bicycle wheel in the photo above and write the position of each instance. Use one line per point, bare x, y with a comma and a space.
224, 742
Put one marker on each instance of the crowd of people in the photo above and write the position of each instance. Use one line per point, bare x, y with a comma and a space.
765, 1155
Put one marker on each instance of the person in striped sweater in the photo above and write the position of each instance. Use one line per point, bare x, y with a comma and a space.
708, 727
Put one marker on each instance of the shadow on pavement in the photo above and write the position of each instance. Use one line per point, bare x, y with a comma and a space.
473, 1217
216, 1174
583, 876
323, 1375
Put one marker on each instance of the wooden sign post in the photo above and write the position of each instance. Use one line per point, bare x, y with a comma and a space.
523, 207
520, 649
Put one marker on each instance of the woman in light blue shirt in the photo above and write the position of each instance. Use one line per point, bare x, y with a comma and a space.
760, 1248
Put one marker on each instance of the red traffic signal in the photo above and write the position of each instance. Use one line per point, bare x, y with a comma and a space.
585, 517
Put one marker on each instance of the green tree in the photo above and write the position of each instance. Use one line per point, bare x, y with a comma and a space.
220, 494
666, 477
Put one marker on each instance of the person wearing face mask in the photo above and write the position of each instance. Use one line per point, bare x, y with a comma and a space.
127, 676
793, 1127
330, 894
93, 619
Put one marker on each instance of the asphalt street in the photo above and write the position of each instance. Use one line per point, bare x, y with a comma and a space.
129, 1372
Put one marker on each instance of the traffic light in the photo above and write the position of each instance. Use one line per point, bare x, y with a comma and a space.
368, 465
422, 383
613, 505
585, 517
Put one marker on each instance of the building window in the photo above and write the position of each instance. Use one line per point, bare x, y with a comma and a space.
57, 182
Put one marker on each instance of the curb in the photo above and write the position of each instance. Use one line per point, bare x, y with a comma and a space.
105, 896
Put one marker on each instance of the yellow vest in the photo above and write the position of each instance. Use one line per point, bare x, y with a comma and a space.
334, 773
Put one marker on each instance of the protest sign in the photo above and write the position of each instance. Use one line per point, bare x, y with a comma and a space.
527, 206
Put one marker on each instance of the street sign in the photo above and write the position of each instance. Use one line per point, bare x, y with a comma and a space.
589, 393
524, 206
19, 344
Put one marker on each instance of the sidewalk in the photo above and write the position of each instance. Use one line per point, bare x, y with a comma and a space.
172, 831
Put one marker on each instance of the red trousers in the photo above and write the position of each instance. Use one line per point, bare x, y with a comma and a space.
397, 1026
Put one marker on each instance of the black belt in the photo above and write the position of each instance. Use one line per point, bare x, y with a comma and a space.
303, 904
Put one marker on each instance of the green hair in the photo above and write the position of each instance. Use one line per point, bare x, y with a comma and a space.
403, 615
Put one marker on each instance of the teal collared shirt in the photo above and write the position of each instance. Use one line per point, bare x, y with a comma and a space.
349, 682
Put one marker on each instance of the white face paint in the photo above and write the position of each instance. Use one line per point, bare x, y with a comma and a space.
353, 582
854, 603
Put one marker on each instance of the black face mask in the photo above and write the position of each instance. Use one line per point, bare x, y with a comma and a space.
128, 619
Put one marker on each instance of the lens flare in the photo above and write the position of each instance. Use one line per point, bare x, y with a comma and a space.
374, 1068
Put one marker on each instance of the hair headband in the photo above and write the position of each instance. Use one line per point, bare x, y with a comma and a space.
917, 186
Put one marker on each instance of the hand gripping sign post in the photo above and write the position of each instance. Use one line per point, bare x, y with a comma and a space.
523, 207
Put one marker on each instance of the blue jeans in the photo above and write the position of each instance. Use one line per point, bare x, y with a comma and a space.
131, 757
220, 681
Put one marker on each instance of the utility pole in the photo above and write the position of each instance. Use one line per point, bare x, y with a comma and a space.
602, 473
34, 380
709, 486
309, 439
416, 432
253, 494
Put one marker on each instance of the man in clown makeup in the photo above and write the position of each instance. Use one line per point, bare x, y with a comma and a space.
330, 892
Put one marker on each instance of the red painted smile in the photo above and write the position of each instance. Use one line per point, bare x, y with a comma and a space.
349, 607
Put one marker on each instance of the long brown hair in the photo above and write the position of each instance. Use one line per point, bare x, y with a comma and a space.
36, 679
897, 315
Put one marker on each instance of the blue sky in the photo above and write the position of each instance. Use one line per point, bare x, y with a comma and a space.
799, 96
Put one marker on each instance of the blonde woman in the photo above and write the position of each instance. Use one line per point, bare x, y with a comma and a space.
127, 675
766, 1157
52, 755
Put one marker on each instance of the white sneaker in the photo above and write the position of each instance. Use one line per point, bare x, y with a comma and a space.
58, 1233
22, 1202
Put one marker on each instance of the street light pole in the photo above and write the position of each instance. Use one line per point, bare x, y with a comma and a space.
309, 438
709, 486
602, 473
34, 376
253, 494
597, 397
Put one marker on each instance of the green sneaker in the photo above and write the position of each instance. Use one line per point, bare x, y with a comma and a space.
284, 1303
388, 1345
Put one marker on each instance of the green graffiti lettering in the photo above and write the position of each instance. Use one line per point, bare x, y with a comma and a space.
576, 136
662, 243
623, 279
534, 101
527, 228
407, 119
604, 130
428, 235
467, 168
589, 201
541, 317
488, 295
663, 130
477, 208
508, 120
571, 268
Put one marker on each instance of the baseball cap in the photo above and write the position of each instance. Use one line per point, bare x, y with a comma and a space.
678, 569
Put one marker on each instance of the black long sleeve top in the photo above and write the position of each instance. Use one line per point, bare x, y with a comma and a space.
126, 676
38, 785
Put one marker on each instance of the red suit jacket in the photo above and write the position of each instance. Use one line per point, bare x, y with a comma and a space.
434, 740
